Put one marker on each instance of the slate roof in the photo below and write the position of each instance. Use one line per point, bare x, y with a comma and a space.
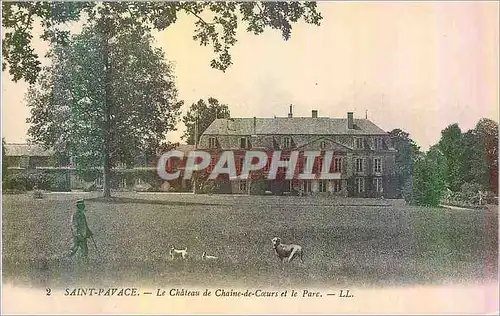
17, 150
291, 126
185, 148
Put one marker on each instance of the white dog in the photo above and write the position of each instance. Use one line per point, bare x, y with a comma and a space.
178, 253
286, 251
204, 257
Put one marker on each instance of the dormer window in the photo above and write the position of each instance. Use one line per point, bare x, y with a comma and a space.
243, 142
378, 143
211, 142
358, 142
287, 142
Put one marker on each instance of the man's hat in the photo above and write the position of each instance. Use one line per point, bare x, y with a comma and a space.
79, 202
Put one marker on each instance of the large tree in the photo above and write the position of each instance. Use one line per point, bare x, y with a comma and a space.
75, 109
216, 25
480, 149
451, 147
200, 115
428, 179
407, 151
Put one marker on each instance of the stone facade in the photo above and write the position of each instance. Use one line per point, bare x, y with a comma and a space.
363, 155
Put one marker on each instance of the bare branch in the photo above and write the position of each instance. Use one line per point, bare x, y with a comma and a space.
199, 17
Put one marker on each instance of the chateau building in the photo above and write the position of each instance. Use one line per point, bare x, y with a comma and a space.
363, 155
362, 158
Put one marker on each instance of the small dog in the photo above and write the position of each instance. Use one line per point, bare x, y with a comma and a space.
178, 253
287, 251
204, 257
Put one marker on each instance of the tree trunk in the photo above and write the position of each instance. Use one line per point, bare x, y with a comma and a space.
107, 120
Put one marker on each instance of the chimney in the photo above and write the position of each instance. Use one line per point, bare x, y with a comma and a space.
350, 120
254, 125
314, 113
290, 114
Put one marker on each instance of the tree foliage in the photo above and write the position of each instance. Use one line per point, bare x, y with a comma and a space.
69, 100
460, 163
428, 180
450, 145
4, 160
472, 156
216, 24
480, 146
407, 151
204, 113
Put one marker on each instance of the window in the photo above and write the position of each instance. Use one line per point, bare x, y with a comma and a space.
243, 142
359, 164
323, 185
377, 185
320, 163
306, 186
322, 145
123, 183
377, 165
337, 165
138, 181
360, 185
304, 161
24, 161
239, 167
268, 164
358, 142
378, 143
213, 161
211, 142
287, 142
337, 186
98, 181
121, 165
243, 186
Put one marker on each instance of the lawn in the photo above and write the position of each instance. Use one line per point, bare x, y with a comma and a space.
345, 241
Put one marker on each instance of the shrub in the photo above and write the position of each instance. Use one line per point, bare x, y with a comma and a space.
469, 192
40, 180
60, 184
208, 187
17, 182
89, 187
258, 187
37, 194
351, 186
408, 191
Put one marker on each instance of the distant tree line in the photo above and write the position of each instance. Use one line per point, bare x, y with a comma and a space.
462, 165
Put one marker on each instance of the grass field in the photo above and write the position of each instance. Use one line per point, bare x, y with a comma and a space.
345, 241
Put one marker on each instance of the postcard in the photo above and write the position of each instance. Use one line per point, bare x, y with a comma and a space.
250, 157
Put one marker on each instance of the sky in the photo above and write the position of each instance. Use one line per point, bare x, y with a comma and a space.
417, 66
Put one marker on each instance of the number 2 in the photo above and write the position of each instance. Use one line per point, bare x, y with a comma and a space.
48, 291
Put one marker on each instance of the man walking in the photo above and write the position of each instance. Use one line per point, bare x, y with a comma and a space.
80, 230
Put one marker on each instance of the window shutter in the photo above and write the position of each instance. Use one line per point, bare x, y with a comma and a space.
275, 144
